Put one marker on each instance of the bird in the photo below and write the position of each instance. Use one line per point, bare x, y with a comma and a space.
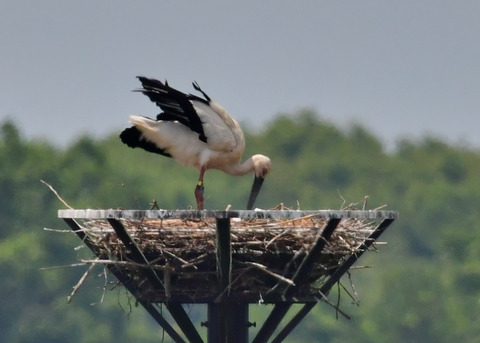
196, 132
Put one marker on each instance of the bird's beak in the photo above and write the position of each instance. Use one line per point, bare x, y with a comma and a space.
257, 184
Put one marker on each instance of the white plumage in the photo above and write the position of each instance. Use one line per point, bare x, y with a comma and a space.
197, 132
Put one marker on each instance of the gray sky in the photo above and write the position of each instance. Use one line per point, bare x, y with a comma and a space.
400, 68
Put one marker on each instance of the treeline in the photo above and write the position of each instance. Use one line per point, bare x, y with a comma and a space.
424, 287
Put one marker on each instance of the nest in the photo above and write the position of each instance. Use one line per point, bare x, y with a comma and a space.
265, 256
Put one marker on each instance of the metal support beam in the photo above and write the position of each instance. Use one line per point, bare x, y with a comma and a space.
176, 310
280, 310
82, 235
163, 323
307, 264
126, 283
337, 274
136, 254
292, 324
334, 278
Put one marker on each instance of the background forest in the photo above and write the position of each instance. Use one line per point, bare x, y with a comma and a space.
424, 287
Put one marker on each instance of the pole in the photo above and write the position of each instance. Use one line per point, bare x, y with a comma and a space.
227, 320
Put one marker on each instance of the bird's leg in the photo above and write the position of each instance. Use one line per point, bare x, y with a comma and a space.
154, 205
199, 190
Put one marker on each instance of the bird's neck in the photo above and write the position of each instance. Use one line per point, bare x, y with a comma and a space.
239, 169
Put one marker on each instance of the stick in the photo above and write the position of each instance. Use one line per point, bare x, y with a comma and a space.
59, 231
64, 266
365, 199
277, 236
325, 299
58, 196
122, 263
79, 283
275, 275
104, 288
178, 258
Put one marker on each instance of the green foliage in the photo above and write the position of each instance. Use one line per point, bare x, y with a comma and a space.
424, 287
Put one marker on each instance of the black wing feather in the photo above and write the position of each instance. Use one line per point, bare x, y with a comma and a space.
176, 106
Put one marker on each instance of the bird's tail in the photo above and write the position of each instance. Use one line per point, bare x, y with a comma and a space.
148, 127
141, 135
143, 122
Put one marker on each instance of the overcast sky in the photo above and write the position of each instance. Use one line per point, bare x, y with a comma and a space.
400, 68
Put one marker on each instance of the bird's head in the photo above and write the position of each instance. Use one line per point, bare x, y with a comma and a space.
261, 168
261, 165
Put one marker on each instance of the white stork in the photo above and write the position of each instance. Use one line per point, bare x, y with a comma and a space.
194, 131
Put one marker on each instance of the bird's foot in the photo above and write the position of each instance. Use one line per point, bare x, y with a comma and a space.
154, 205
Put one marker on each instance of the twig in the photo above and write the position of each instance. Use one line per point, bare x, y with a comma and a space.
355, 294
269, 272
104, 288
344, 201
337, 306
59, 231
365, 199
105, 284
166, 282
276, 237
64, 266
123, 263
79, 283
221, 295
178, 258
300, 252
195, 260
380, 207
325, 299
58, 196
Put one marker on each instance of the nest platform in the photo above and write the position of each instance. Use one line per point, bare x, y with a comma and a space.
217, 257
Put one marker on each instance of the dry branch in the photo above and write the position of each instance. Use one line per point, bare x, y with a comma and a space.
79, 283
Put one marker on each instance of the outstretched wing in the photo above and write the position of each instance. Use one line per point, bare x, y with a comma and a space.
176, 106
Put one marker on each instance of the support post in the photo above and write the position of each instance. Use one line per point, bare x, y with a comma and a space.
224, 253
237, 313
215, 331
227, 320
